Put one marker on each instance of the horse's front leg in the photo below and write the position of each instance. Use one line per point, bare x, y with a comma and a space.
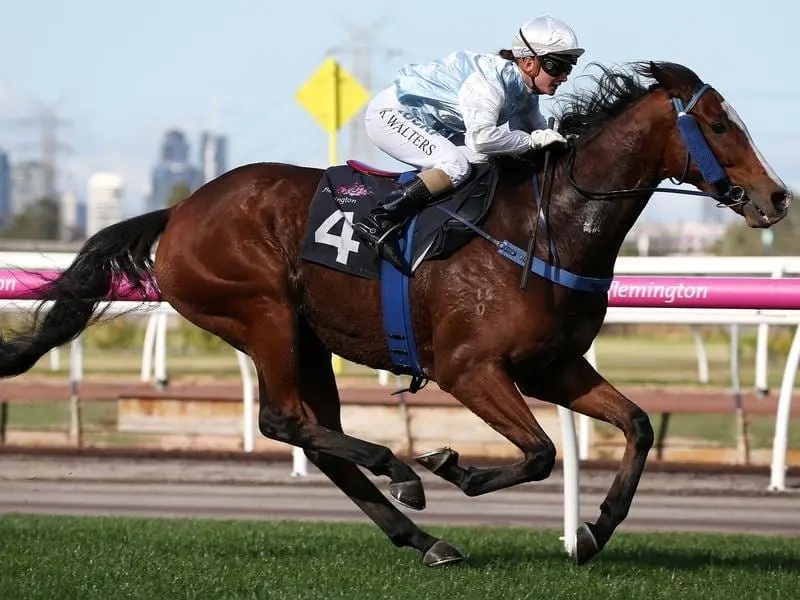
488, 391
575, 384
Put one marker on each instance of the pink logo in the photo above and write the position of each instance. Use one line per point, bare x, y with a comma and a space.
354, 190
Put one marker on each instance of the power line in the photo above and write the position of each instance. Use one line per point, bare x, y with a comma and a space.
48, 122
361, 47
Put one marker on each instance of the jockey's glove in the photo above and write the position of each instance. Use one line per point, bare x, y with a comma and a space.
542, 138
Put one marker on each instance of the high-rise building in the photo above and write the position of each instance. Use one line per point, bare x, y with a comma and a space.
5, 189
30, 182
73, 217
213, 155
81, 217
172, 169
174, 147
104, 204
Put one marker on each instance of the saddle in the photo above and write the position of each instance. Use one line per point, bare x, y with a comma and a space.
348, 192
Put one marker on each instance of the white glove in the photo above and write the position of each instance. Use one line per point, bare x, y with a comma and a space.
545, 137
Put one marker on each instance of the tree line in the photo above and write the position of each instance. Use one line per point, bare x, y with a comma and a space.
783, 238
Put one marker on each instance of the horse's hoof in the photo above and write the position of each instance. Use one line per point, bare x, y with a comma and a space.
437, 459
408, 493
586, 545
442, 553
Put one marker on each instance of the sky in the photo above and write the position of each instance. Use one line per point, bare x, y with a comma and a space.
120, 73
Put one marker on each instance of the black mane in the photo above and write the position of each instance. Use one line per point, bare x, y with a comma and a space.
585, 111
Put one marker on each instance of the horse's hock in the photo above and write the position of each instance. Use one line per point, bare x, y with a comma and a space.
427, 420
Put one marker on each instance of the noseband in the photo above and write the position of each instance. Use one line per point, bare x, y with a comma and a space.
697, 148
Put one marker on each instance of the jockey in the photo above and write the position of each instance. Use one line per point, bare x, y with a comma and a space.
443, 116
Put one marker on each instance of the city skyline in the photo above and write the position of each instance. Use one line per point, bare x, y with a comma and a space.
25, 181
226, 76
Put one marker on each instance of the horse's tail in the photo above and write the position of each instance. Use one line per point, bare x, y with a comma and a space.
119, 251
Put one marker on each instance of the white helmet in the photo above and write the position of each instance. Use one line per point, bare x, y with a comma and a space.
546, 35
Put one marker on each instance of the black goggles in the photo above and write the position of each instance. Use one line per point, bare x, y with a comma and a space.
555, 67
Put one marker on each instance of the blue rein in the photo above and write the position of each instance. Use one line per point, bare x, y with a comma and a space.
395, 286
698, 149
544, 269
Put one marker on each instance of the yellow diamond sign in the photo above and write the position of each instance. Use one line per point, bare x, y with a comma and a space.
332, 96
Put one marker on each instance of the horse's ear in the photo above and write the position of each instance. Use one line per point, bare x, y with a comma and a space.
673, 78
665, 77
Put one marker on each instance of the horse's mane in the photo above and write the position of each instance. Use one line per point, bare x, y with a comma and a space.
583, 112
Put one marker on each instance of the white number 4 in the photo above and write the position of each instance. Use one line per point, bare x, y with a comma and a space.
344, 243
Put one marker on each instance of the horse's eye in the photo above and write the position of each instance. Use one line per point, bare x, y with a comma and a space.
719, 127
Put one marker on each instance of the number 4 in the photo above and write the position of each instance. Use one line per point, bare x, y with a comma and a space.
344, 243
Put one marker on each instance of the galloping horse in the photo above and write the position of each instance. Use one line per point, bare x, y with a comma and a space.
229, 260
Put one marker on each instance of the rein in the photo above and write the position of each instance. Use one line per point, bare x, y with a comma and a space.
697, 148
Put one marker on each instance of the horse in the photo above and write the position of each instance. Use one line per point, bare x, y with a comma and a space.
228, 259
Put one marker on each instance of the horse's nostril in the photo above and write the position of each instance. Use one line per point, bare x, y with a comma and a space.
782, 200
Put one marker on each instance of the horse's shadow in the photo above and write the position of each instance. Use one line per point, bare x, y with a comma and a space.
693, 560
688, 560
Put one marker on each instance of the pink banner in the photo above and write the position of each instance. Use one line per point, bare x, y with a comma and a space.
705, 292
626, 291
22, 285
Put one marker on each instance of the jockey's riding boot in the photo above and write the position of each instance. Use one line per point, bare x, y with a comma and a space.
380, 229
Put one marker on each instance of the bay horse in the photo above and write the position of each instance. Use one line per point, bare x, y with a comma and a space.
228, 260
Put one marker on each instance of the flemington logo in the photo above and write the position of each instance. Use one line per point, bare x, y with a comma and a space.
668, 293
349, 193
354, 190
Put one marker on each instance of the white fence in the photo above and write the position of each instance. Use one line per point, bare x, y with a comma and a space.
154, 353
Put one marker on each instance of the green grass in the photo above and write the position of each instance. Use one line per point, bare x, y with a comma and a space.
714, 429
126, 363
43, 415
108, 558
643, 360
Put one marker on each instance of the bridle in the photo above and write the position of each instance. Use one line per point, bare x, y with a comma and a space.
697, 149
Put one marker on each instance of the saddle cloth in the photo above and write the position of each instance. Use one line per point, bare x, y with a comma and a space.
346, 193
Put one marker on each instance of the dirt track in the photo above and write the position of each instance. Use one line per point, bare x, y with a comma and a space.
259, 490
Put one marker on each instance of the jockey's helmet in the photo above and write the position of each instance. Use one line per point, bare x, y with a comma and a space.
546, 35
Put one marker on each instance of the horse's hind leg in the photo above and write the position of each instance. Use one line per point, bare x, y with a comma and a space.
576, 385
321, 400
487, 390
272, 343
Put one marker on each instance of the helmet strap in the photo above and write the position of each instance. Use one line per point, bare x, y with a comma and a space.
524, 39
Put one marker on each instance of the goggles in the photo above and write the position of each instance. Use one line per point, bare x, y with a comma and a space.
553, 64
555, 67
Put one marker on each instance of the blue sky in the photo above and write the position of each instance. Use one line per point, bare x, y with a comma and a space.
123, 72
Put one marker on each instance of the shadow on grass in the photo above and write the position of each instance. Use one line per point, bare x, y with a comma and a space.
670, 559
